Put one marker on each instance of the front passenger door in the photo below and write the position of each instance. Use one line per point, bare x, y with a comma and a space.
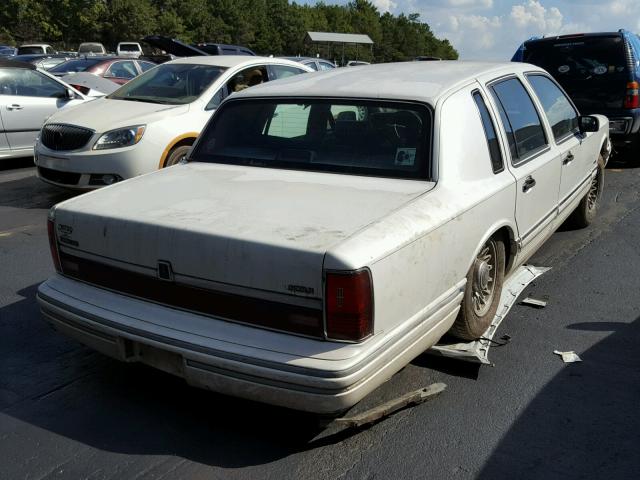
533, 162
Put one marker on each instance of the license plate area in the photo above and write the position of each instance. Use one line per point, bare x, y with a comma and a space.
164, 360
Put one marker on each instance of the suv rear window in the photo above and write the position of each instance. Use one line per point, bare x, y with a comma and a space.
387, 139
592, 69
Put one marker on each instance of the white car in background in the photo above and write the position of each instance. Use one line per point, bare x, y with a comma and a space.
328, 228
28, 97
129, 49
149, 123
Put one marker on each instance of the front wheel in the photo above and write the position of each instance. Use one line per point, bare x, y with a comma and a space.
585, 212
482, 292
176, 155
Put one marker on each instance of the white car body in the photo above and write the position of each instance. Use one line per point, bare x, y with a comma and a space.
166, 127
22, 115
129, 49
271, 237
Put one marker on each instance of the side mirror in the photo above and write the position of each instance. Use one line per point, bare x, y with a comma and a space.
588, 123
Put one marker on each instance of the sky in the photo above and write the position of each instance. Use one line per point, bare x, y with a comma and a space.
493, 29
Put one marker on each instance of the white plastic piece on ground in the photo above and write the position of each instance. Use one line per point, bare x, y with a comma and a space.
478, 351
568, 357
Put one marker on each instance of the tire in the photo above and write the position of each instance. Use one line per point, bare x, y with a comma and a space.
176, 154
585, 212
476, 315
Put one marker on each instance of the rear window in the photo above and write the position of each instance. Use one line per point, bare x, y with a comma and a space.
30, 50
593, 70
129, 47
75, 65
387, 139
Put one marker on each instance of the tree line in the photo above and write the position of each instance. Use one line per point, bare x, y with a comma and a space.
266, 26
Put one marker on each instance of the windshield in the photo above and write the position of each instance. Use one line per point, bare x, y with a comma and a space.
76, 65
593, 70
172, 84
129, 47
377, 138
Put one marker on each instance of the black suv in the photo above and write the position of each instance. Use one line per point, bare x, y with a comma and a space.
601, 73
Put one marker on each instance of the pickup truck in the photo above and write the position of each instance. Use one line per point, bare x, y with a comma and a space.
326, 229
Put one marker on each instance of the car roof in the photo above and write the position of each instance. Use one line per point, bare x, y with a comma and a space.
35, 45
232, 60
571, 36
16, 64
422, 81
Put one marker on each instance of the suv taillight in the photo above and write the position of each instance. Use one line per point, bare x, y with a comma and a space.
349, 305
53, 242
632, 99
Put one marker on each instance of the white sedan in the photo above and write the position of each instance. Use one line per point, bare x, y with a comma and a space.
149, 123
327, 229
27, 98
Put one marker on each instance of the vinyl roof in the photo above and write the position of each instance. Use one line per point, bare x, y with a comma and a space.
339, 37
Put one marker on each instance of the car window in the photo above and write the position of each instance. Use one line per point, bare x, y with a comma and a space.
519, 118
29, 83
361, 137
312, 64
284, 71
326, 66
144, 66
76, 65
125, 69
490, 132
247, 78
215, 101
561, 114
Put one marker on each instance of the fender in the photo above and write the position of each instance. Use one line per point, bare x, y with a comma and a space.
173, 143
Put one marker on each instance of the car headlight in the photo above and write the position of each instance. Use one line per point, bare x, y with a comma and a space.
122, 137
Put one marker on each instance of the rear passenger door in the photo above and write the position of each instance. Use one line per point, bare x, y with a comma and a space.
533, 161
563, 120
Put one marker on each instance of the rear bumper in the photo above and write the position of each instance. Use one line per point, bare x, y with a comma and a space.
314, 383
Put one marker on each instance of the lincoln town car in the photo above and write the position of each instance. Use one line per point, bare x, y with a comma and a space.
326, 229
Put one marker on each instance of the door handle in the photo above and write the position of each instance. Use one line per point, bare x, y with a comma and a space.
528, 184
15, 106
568, 159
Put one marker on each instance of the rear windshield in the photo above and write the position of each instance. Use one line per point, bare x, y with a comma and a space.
387, 139
129, 47
593, 70
171, 84
29, 50
76, 65
94, 48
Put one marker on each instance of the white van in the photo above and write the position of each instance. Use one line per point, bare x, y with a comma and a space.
129, 49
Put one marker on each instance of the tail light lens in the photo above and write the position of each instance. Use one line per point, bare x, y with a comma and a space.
53, 242
632, 99
349, 305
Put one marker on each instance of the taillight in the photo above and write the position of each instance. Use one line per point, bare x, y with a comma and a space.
53, 243
632, 99
349, 305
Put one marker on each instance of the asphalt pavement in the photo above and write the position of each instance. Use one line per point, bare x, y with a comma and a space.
68, 412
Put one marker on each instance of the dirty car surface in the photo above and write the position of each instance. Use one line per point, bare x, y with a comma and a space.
327, 229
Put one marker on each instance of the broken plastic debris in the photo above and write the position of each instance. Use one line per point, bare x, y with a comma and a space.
568, 357
534, 302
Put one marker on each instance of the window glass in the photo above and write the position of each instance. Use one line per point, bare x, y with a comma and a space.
247, 78
122, 70
216, 99
144, 66
284, 71
79, 65
312, 65
490, 132
521, 116
326, 66
29, 83
344, 136
171, 84
561, 114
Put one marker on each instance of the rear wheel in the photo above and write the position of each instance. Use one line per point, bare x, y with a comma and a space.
585, 213
176, 155
482, 292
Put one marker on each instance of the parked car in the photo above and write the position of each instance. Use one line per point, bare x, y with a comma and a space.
35, 48
41, 60
316, 64
91, 48
601, 73
175, 47
117, 69
149, 123
27, 98
7, 51
129, 49
327, 228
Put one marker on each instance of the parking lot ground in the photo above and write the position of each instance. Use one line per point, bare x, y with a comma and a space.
68, 412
